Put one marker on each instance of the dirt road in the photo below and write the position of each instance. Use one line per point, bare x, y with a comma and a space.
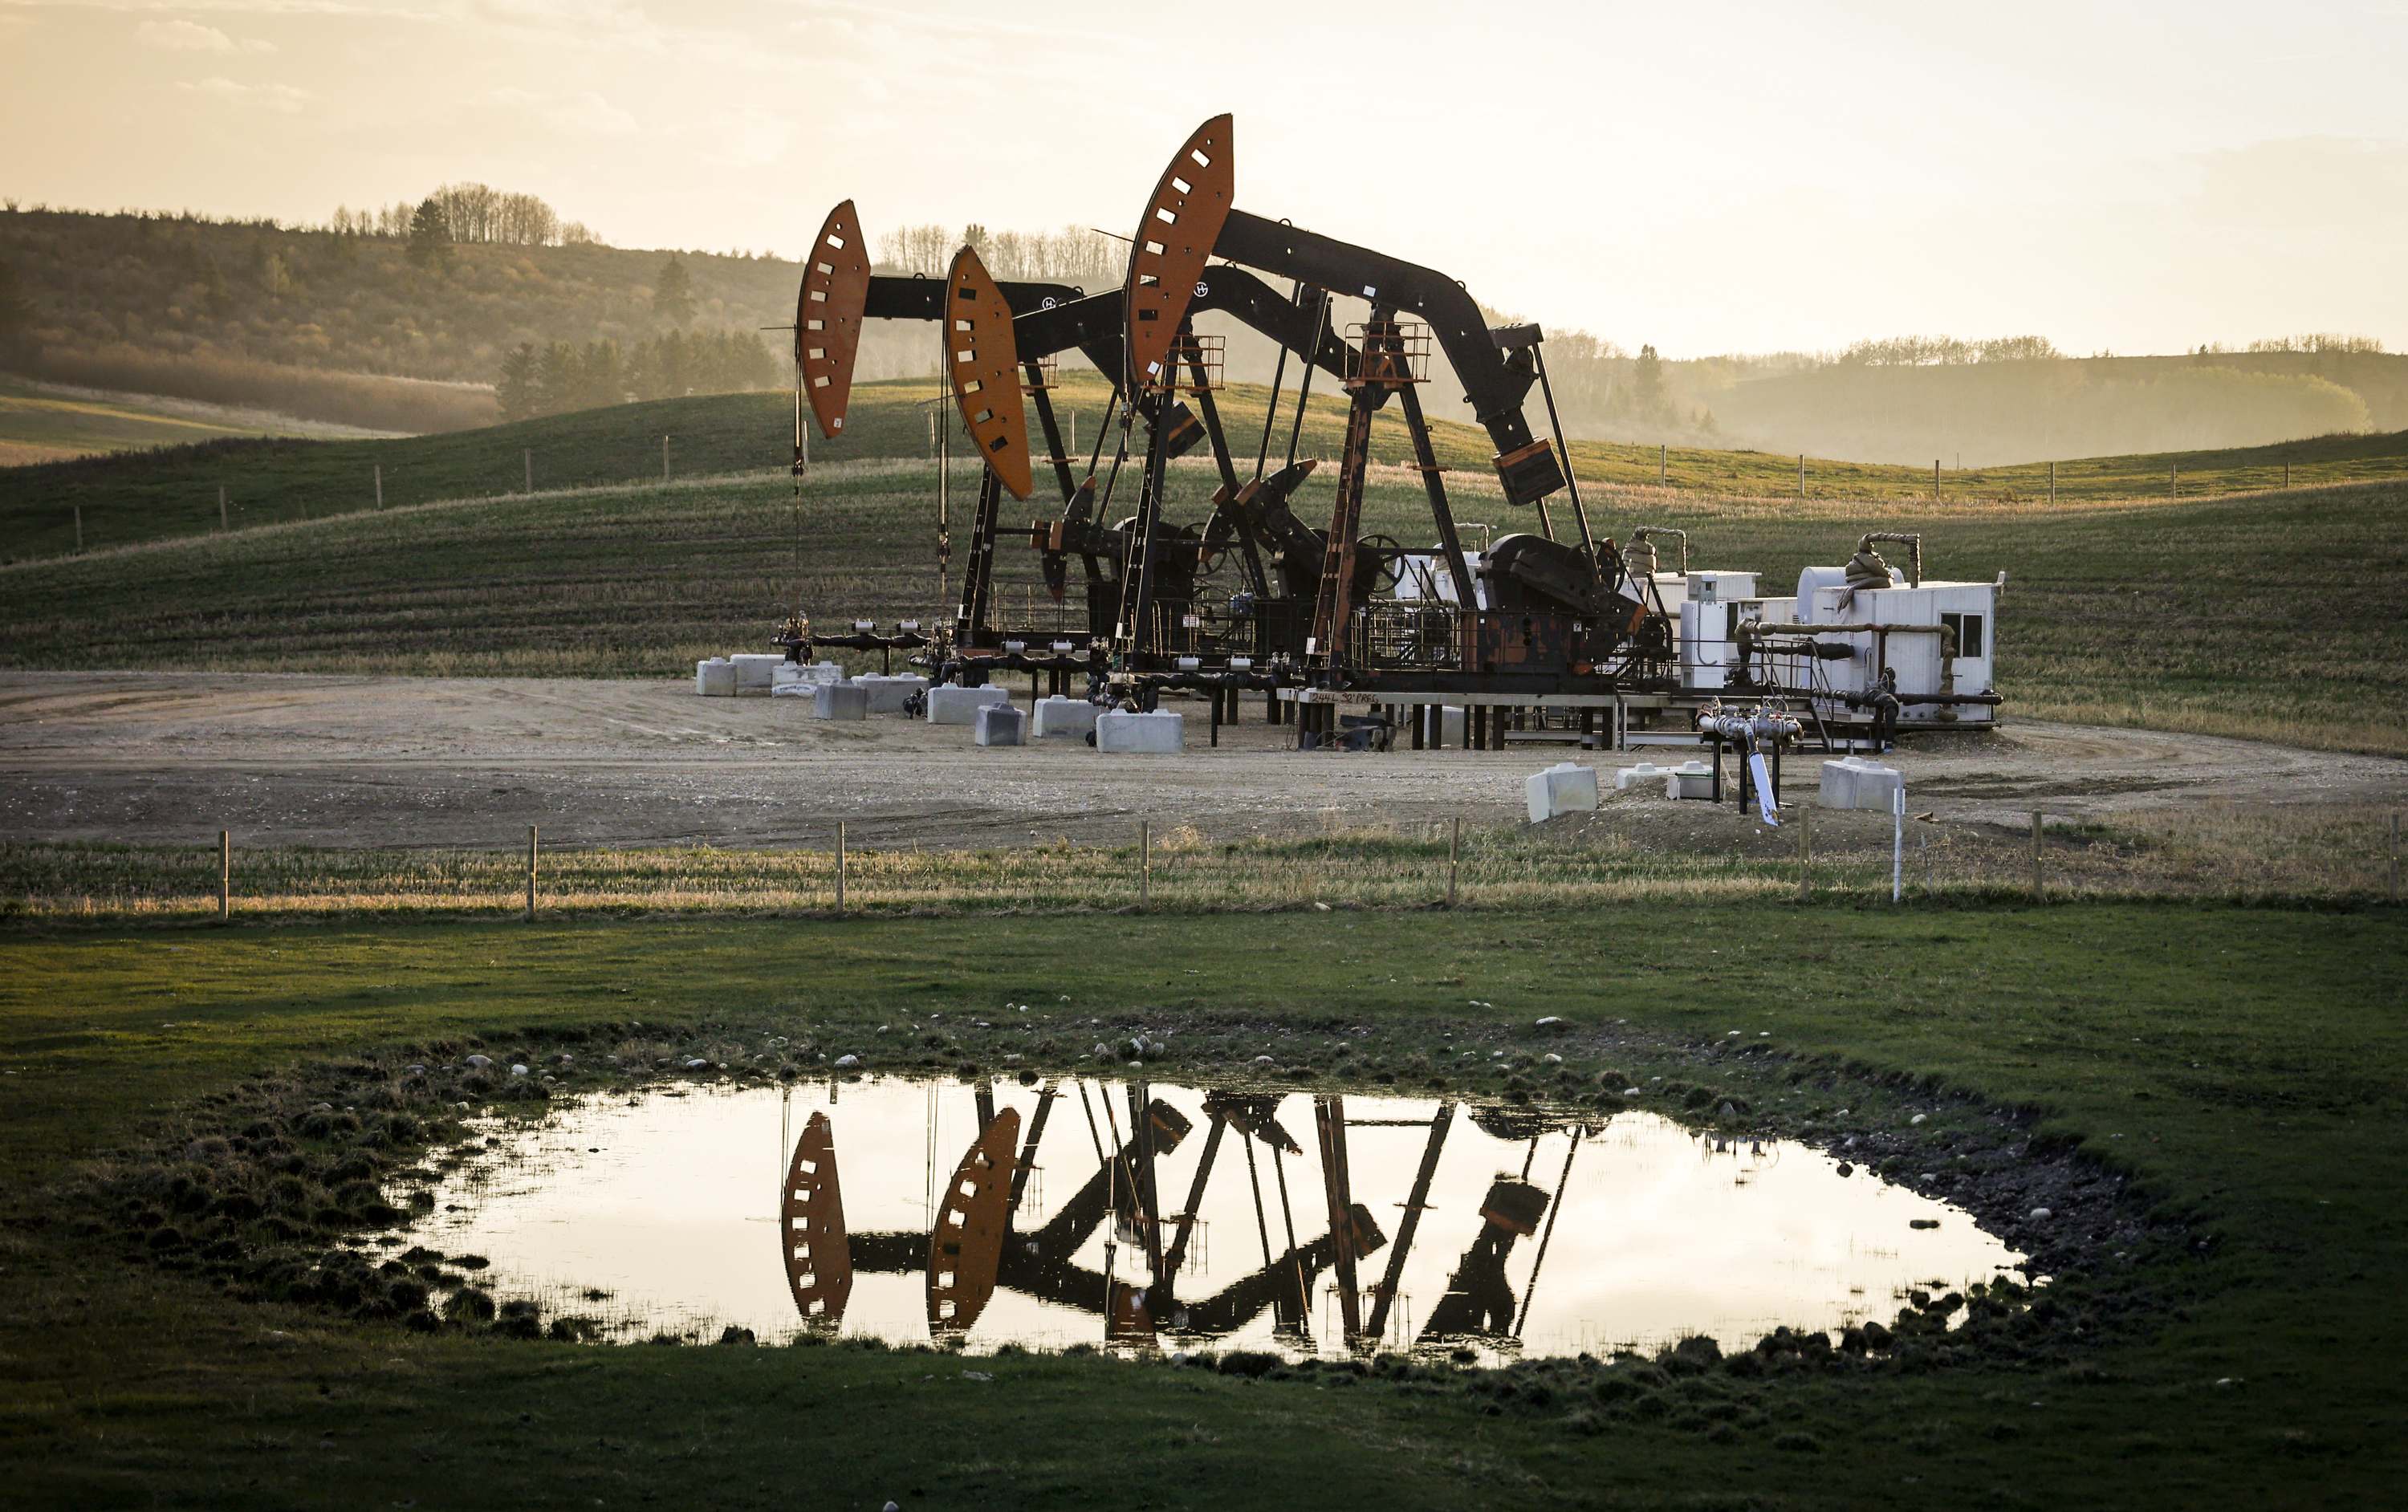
331, 761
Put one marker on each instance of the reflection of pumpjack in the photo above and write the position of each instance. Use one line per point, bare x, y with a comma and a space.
972, 1250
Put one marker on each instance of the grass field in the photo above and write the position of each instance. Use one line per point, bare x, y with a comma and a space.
138, 496
2323, 853
44, 423
2219, 615
2244, 1353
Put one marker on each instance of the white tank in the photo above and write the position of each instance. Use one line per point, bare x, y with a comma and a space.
1811, 579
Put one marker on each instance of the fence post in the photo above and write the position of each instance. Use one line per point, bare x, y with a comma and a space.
526, 463
2037, 894
839, 868
1896, 842
1144, 865
380, 485
1805, 851
221, 509
1663, 460
79, 513
226, 874
530, 877
2052, 482
665, 459
1453, 852
1935, 479
2173, 480
1802, 475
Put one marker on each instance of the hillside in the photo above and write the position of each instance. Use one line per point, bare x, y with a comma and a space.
2220, 615
2061, 407
140, 496
345, 327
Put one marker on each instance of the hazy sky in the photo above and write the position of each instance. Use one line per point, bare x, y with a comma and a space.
1707, 178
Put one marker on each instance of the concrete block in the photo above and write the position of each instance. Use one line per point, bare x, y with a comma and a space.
1060, 716
756, 670
955, 705
1854, 783
1565, 788
1690, 779
1157, 734
1644, 774
1449, 726
839, 701
1000, 724
715, 677
886, 694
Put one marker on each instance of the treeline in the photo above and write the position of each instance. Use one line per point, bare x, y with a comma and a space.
1073, 254
558, 378
471, 213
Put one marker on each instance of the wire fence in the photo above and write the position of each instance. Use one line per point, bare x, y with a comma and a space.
2322, 854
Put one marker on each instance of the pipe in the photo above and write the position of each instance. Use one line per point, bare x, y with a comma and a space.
1646, 532
1913, 545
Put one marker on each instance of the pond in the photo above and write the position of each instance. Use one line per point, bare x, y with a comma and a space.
1138, 1216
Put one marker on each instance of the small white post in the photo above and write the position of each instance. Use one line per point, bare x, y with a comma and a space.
1145, 865
1896, 842
1454, 845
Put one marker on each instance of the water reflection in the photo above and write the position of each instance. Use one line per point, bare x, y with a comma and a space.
1513, 1228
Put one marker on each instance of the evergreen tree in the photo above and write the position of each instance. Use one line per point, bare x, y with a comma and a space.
16, 312
673, 292
430, 236
1647, 385
518, 389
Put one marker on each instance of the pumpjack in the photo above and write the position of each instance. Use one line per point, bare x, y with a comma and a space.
1251, 597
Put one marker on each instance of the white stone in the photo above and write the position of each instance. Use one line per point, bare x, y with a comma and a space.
1000, 724
955, 705
839, 701
1565, 788
1157, 734
2042, 1215
1059, 716
715, 677
1645, 772
887, 693
1690, 779
846, 1062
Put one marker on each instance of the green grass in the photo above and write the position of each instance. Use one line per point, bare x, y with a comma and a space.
2245, 1066
141, 496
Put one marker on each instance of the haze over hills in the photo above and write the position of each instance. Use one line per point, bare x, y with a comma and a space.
366, 322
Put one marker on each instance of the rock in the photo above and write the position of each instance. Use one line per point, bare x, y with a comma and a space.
1551, 1058
1923, 1224
846, 1062
696, 1064
1918, 1118
479, 1061
518, 1071
1551, 1024
1845, 1169
2042, 1215
732, 1335
1265, 1060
